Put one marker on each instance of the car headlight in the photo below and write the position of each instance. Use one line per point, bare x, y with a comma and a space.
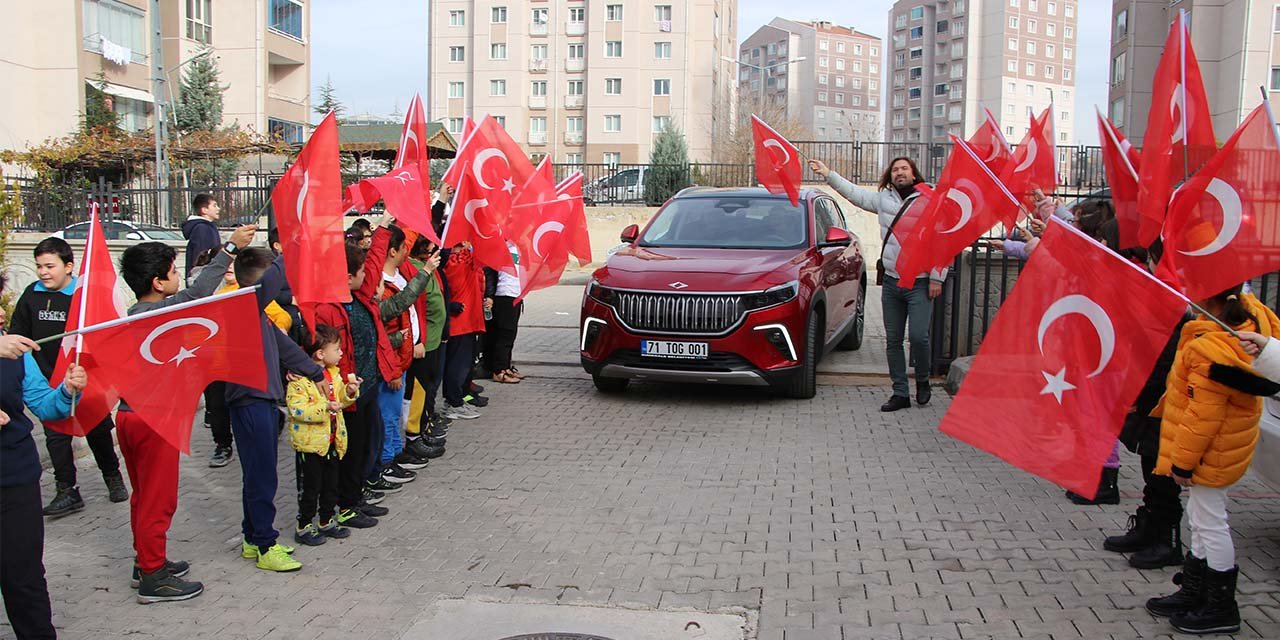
601, 294
771, 297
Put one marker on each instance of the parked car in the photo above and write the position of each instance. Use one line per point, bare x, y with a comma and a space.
624, 186
121, 230
733, 286
1266, 458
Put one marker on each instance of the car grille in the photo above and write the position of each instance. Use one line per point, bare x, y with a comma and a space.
679, 313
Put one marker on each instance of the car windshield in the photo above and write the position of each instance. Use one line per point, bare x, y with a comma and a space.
160, 233
728, 223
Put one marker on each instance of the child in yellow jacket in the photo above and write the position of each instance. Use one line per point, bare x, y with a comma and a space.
319, 435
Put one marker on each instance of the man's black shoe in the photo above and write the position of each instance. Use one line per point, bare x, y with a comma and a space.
221, 456
163, 586
381, 486
895, 403
923, 393
66, 501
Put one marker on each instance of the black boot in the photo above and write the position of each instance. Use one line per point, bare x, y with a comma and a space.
1191, 594
66, 501
1135, 539
896, 403
1108, 490
116, 489
1219, 613
923, 392
1164, 544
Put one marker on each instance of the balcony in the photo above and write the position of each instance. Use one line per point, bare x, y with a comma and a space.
573, 102
664, 26
537, 102
538, 29
575, 28
537, 137
573, 137
575, 65
954, 116
957, 94
538, 65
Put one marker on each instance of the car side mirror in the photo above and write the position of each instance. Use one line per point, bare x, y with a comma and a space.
837, 237
630, 233
133, 235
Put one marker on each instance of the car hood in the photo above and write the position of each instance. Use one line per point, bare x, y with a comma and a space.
656, 269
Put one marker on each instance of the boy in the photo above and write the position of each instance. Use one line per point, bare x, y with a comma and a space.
149, 270
255, 420
427, 438
464, 284
201, 229
42, 312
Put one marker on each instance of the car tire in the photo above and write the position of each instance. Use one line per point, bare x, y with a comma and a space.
852, 340
588, 202
805, 383
609, 385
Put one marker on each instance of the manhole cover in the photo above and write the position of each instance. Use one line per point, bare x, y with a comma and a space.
555, 636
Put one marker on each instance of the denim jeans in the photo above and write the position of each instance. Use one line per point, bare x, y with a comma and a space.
907, 311
392, 432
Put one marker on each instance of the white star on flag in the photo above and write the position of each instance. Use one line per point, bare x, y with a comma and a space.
1056, 384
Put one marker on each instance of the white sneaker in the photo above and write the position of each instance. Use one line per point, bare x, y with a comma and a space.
465, 412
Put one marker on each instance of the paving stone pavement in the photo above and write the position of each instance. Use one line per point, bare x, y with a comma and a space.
830, 519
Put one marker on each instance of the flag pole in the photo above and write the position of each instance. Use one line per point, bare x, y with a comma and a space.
1182, 69
142, 316
84, 290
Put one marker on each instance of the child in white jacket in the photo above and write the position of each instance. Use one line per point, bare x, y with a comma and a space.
1265, 352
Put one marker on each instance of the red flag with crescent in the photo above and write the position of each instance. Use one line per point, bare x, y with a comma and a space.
990, 144
1120, 162
1033, 165
1063, 361
777, 161
187, 346
476, 221
406, 188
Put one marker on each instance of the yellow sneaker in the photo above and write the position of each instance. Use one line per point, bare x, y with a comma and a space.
250, 551
277, 559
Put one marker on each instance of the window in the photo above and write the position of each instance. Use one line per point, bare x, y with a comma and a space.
1031, 91
839, 82
613, 12
857, 49
940, 89
913, 93
290, 132
573, 124
1068, 32
1066, 94
455, 125
613, 86
873, 101
855, 100
1013, 22
875, 52
1066, 74
1066, 115
1013, 66
1008, 131
1053, 8
1031, 68
957, 50
577, 14
822, 62
1014, 3
1117, 107
1122, 24
917, 33
917, 53
1013, 88
661, 123
839, 98
822, 132
1031, 47
1011, 110
577, 51
873, 68
662, 13
497, 87
1048, 71
1050, 29
857, 83
285, 16
1275, 23
1013, 44
942, 26
1050, 51
613, 49
457, 54
1275, 78
498, 51
822, 45
874, 85
900, 21
662, 87
839, 47
917, 13
822, 96
662, 50
915, 73
839, 64
540, 17
613, 123
1118, 65
1033, 5
538, 124
575, 87
612, 157
457, 18
1069, 11
1033, 26
538, 52
118, 23
456, 89
822, 114
573, 159
822, 78
913, 113
498, 15
538, 88
857, 66
1066, 53
200, 20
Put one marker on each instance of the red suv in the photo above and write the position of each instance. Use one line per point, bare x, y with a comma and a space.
732, 286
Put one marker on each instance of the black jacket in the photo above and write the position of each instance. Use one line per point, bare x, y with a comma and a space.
1141, 433
41, 313
277, 348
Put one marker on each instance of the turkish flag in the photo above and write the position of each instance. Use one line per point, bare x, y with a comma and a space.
405, 192
1179, 135
308, 206
453, 175
1064, 361
498, 165
1120, 162
1224, 223
477, 222
544, 243
967, 203
990, 144
777, 161
183, 348
1033, 165
93, 302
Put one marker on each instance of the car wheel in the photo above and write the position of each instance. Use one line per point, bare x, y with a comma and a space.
852, 340
609, 385
588, 202
805, 383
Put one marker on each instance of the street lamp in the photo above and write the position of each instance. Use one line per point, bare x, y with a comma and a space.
763, 70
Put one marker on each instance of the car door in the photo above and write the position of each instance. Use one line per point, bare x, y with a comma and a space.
832, 267
851, 277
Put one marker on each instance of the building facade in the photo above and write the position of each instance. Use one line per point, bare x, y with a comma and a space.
1237, 43
585, 82
950, 59
50, 52
820, 78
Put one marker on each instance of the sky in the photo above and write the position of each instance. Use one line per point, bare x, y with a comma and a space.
382, 79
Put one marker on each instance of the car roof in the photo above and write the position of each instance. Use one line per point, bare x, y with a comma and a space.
744, 192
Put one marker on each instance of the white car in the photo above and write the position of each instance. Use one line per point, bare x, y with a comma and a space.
1266, 458
122, 230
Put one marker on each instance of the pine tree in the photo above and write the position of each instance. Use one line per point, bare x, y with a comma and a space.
200, 101
329, 101
97, 114
668, 166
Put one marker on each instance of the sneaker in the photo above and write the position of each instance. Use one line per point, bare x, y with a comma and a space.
251, 552
116, 489
308, 535
65, 502
476, 400
355, 519
176, 569
407, 460
382, 486
277, 559
416, 446
475, 388
465, 412
370, 496
397, 474
163, 586
440, 424
221, 456
332, 529
427, 448
373, 511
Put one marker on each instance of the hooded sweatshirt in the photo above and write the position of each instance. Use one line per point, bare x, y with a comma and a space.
42, 312
202, 235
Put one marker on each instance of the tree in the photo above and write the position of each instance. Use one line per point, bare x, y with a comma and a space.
329, 101
200, 101
668, 166
98, 115
738, 147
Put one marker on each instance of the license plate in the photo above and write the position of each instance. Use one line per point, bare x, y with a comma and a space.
668, 349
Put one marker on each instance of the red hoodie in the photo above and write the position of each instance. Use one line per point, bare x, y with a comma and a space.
466, 285
388, 359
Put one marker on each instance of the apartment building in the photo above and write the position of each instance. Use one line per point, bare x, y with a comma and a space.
820, 77
50, 52
1237, 43
950, 59
586, 82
